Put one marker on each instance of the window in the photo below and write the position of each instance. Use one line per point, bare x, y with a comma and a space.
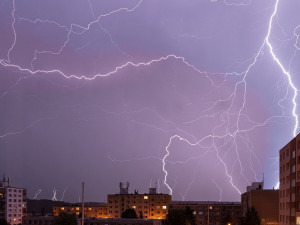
297, 220
164, 207
293, 154
293, 197
145, 197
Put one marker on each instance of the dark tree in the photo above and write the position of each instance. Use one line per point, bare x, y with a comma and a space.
43, 211
65, 219
180, 217
141, 215
3, 222
129, 213
251, 218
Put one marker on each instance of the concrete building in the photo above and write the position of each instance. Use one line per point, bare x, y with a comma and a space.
211, 212
41, 220
147, 206
266, 203
289, 175
91, 210
12, 202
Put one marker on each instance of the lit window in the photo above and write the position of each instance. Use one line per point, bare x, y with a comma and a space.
145, 197
164, 207
77, 208
133, 206
62, 208
210, 207
298, 220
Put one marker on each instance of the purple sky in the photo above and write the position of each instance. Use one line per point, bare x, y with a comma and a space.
191, 95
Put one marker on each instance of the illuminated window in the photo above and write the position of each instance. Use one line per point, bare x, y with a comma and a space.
90, 209
77, 208
62, 208
145, 197
210, 207
133, 206
164, 207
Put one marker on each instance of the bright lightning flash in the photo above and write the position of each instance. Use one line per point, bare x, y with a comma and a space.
232, 130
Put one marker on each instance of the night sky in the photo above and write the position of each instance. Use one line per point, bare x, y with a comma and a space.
195, 97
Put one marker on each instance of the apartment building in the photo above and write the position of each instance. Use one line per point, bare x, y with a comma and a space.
265, 201
147, 206
12, 202
289, 175
212, 212
91, 210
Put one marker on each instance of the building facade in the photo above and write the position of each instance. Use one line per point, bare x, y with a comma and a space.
41, 220
12, 202
147, 206
91, 210
210, 212
266, 203
289, 175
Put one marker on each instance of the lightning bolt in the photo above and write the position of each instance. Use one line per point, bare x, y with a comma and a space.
63, 194
232, 131
54, 195
220, 190
285, 72
37, 193
242, 83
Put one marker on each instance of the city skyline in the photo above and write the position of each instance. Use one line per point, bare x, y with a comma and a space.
195, 98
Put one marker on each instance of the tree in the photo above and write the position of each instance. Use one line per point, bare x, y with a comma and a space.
180, 217
251, 218
141, 215
129, 213
3, 222
65, 219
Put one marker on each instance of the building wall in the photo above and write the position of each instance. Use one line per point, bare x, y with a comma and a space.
89, 211
289, 175
266, 202
218, 212
150, 206
12, 203
37, 220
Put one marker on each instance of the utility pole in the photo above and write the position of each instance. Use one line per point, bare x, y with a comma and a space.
82, 206
208, 213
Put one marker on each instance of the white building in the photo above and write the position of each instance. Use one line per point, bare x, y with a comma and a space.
12, 202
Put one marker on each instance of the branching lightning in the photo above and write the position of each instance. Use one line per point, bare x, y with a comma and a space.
231, 131
54, 195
